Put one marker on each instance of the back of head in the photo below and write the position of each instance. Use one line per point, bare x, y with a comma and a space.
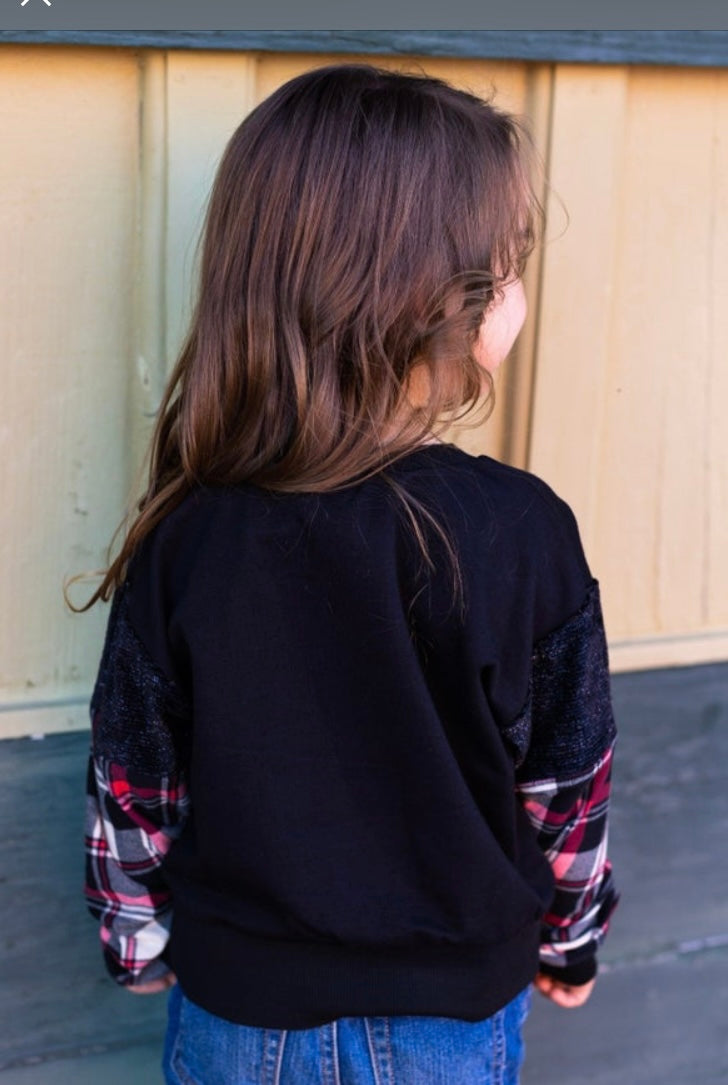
359, 224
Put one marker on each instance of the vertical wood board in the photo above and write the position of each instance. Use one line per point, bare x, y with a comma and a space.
67, 209
632, 332
208, 95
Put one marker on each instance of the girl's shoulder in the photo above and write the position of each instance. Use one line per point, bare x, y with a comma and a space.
486, 491
515, 537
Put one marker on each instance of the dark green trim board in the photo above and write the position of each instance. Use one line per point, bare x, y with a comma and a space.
691, 48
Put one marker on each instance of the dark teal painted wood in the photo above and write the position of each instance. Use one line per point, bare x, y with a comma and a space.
693, 48
56, 1002
659, 1010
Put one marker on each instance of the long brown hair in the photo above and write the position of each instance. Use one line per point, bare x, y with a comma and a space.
360, 224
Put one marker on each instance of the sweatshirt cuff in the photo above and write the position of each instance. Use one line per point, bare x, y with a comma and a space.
575, 975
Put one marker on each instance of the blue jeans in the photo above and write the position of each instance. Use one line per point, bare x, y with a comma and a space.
202, 1049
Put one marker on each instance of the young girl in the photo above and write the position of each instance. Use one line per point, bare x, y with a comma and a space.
352, 727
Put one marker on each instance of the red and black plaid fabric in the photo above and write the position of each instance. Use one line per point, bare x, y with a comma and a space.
570, 819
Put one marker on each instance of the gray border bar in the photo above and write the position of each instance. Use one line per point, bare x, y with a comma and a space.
699, 48
430, 15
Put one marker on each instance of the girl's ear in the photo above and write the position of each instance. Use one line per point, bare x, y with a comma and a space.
500, 326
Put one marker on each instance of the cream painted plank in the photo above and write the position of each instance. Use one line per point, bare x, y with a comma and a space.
519, 373
681, 650
24, 717
208, 95
661, 359
68, 122
660, 330
630, 492
577, 287
715, 390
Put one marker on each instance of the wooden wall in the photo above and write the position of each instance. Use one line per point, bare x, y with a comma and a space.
631, 376
614, 393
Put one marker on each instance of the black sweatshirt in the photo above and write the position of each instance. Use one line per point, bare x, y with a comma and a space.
343, 771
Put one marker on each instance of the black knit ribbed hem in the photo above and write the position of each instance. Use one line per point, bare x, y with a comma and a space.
574, 974
292, 985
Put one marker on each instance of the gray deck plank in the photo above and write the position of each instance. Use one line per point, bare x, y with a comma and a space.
137, 1065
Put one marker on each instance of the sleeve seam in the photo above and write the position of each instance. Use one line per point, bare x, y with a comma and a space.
549, 783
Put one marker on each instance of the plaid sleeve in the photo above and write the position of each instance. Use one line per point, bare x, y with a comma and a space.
570, 819
131, 822
564, 743
137, 802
